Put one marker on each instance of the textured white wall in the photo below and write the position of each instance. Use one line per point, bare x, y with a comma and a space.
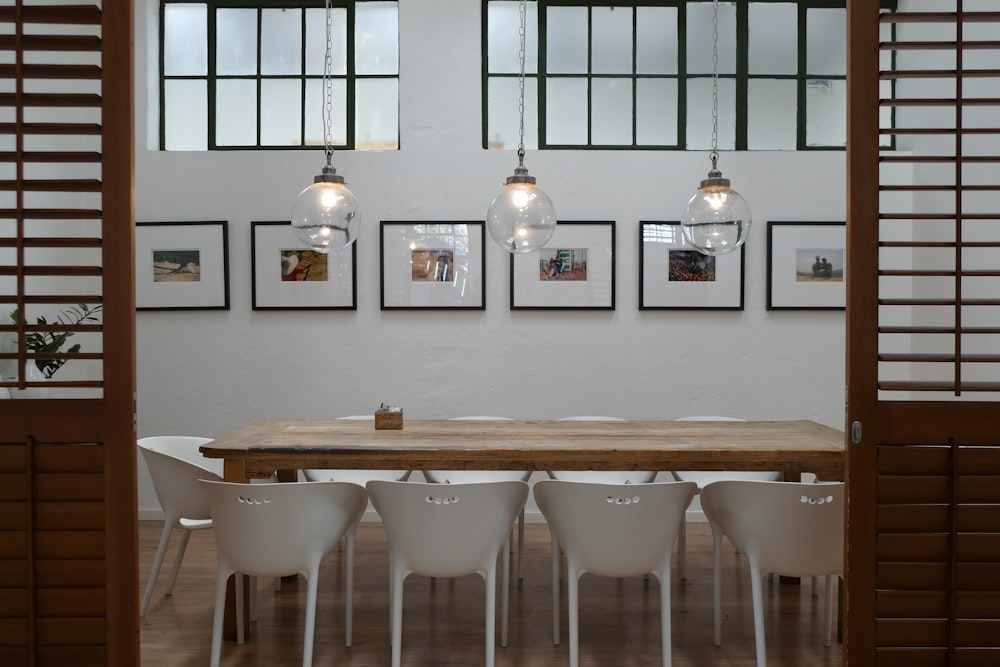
210, 372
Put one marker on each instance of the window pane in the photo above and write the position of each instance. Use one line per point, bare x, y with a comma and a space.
233, 125
826, 41
566, 111
376, 38
612, 40
185, 40
376, 124
566, 48
699, 38
656, 112
772, 114
504, 38
236, 41
503, 113
315, 111
699, 114
611, 116
826, 112
186, 107
316, 41
656, 40
281, 112
281, 41
773, 38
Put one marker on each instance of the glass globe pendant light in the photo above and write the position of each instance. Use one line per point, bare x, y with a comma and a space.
522, 218
717, 219
326, 215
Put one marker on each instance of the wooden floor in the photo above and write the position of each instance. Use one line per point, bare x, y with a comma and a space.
442, 620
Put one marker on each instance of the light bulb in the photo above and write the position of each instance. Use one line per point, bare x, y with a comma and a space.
522, 218
717, 219
326, 216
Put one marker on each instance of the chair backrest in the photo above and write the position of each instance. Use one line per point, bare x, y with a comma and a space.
174, 466
183, 447
788, 528
447, 530
604, 476
280, 529
615, 530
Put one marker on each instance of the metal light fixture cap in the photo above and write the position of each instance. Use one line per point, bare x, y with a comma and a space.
714, 180
520, 176
329, 175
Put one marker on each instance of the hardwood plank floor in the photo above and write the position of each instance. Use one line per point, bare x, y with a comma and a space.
443, 619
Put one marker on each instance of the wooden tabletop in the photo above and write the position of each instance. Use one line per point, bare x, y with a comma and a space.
790, 446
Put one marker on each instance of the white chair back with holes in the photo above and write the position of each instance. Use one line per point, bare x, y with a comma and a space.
615, 530
441, 530
475, 476
784, 528
277, 530
175, 466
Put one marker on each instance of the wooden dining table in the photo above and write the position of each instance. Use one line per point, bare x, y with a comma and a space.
286, 445
792, 447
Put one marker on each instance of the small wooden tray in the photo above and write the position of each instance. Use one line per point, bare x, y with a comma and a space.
388, 420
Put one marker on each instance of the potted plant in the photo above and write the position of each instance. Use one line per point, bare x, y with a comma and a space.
43, 342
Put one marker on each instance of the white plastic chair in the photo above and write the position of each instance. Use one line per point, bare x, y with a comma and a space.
615, 530
276, 530
175, 466
786, 528
441, 530
472, 476
705, 477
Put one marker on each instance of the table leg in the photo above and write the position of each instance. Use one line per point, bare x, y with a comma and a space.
235, 471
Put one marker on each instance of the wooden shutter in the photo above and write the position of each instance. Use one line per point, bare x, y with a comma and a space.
68, 565
923, 561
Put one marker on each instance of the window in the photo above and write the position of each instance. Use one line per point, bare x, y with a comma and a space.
638, 74
221, 58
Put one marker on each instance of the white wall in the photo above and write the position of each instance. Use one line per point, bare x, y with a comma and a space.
210, 372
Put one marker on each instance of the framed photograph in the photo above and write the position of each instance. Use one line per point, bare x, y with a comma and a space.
440, 265
575, 270
289, 276
182, 265
806, 262
675, 276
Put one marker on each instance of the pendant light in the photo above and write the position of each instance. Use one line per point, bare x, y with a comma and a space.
522, 218
717, 219
326, 215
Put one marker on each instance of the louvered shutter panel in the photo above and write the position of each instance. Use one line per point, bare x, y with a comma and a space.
923, 583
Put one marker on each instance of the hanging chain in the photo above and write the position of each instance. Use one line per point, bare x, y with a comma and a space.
328, 86
715, 82
521, 54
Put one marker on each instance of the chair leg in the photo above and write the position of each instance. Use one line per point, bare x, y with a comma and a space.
310, 630
221, 578
349, 589
240, 620
828, 608
573, 609
491, 612
520, 545
396, 625
168, 528
682, 549
717, 586
505, 589
181, 549
555, 589
757, 589
666, 644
